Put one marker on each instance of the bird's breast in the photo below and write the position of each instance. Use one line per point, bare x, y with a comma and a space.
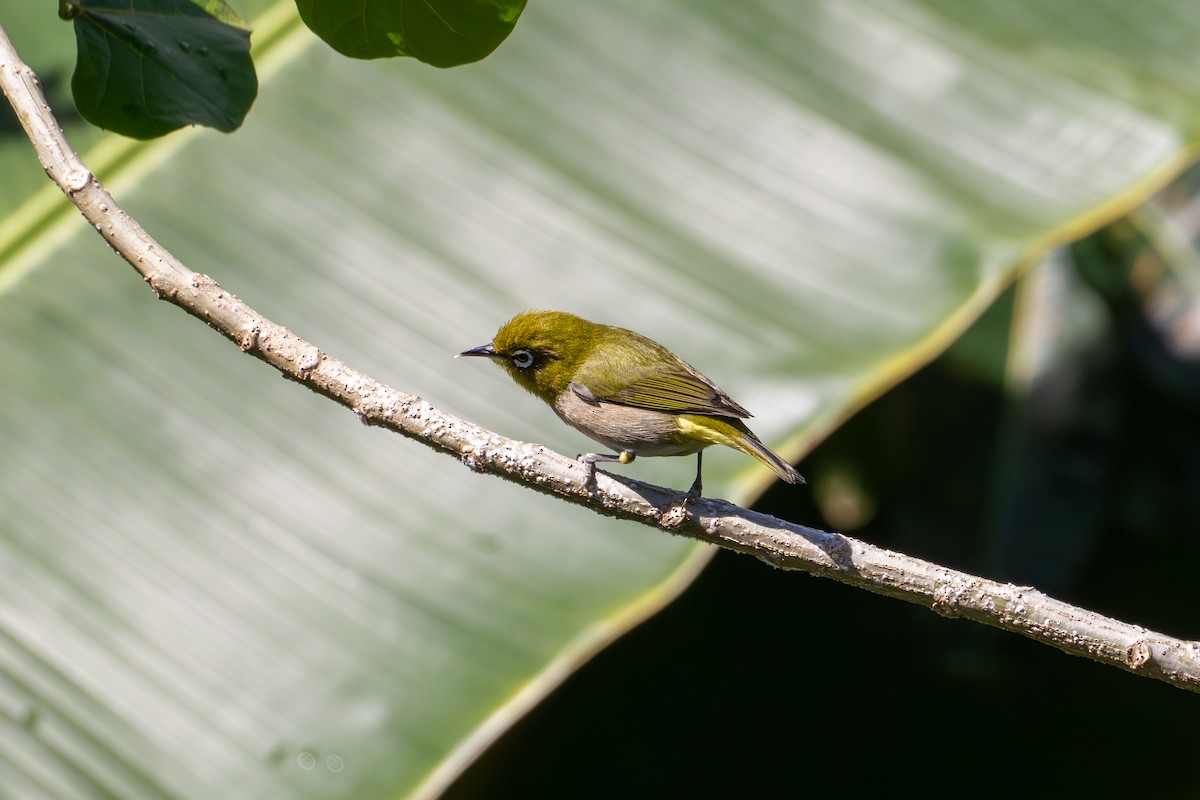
621, 427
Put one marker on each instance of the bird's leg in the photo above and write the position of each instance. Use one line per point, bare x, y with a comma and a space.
697, 485
590, 459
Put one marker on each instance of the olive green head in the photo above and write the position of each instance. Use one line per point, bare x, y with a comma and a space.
543, 350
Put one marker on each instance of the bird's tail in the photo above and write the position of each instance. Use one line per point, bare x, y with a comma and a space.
734, 433
751, 446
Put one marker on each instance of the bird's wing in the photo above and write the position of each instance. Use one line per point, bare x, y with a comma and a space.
666, 384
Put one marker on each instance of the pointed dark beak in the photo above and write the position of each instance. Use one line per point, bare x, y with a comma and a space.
482, 350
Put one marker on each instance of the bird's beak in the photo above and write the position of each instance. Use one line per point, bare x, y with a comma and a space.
482, 350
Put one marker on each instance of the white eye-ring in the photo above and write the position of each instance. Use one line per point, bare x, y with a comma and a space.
522, 359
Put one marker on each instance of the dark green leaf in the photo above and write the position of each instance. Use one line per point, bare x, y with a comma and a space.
147, 67
444, 33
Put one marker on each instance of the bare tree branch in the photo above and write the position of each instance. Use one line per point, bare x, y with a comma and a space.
1022, 610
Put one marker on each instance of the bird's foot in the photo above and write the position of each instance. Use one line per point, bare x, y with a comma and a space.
589, 461
589, 466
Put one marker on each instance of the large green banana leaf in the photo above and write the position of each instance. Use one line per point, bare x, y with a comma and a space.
216, 584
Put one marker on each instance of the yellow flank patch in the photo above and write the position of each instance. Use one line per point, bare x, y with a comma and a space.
707, 429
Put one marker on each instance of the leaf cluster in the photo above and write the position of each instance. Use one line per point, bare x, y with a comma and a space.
148, 67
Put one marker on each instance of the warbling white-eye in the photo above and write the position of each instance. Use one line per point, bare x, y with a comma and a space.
623, 390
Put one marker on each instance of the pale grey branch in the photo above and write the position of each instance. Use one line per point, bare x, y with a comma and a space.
1020, 609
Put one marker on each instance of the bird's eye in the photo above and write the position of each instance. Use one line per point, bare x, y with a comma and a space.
522, 359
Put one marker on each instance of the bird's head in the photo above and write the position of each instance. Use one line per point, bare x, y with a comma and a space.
542, 350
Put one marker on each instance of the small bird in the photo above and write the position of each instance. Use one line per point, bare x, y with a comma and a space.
623, 390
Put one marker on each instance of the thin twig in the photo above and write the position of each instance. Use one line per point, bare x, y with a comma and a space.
1022, 610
